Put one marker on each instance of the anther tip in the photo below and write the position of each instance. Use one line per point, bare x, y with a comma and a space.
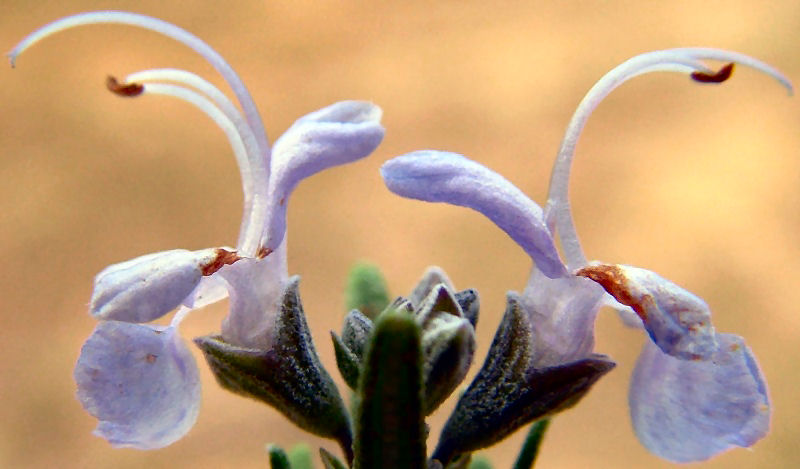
128, 90
719, 76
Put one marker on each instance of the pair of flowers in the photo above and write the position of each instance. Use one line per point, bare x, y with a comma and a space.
694, 392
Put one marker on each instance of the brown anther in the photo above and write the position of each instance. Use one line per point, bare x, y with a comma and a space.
128, 90
263, 252
717, 77
613, 280
151, 358
223, 258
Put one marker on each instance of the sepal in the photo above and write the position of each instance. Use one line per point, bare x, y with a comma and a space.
356, 331
349, 349
288, 376
433, 276
348, 363
470, 305
508, 392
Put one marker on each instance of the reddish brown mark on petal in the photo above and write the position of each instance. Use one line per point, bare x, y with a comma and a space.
127, 90
613, 280
717, 77
151, 358
263, 252
222, 258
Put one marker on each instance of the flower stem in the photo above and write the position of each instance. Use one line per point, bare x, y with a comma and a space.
527, 456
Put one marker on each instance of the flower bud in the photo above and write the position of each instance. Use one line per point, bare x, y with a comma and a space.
448, 344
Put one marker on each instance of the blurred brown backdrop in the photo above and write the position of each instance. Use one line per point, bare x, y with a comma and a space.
699, 183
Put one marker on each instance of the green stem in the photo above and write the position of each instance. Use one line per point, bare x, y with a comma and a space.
527, 456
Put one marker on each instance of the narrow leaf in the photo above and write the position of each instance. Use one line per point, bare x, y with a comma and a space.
277, 457
366, 290
390, 423
480, 462
330, 461
300, 457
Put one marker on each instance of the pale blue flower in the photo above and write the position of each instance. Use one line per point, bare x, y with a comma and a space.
140, 380
695, 392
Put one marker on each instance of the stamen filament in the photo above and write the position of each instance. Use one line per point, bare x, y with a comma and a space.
251, 221
191, 80
558, 214
179, 316
258, 179
174, 32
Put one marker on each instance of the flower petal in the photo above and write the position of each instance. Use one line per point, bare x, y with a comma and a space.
141, 382
677, 321
340, 133
147, 287
256, 289
692, 410
210, 290
436, 176
562, 314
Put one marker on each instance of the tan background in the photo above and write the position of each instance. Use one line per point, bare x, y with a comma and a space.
699, 183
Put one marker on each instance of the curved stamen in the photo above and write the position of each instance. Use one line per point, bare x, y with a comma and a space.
169, 30
256, 165
191, 80
708, 53
250, 220
179, 316
686, 60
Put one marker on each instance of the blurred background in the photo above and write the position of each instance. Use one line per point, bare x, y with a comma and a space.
698, 183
